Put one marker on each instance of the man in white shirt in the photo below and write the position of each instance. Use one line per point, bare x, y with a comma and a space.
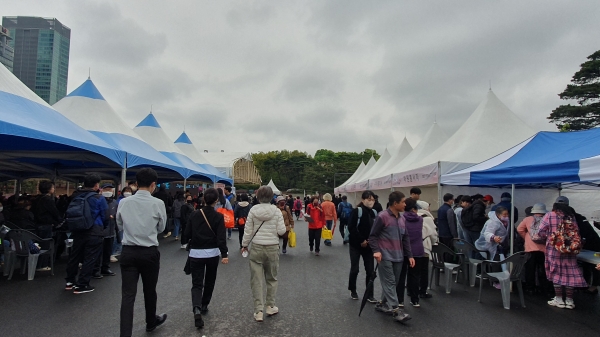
142, 217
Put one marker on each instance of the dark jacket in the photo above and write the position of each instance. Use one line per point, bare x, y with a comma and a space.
241, 211
474, 217
99, 209
377, 207
361, 233
587, 232
186, 211
111, 215
45, 211
164, 196
200, 233
443, 225
22, 218
414, 228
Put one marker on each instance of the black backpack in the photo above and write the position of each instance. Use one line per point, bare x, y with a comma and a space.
466, 218
79, 213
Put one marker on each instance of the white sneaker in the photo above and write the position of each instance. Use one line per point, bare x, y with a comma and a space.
272, 310
557, 302
184, 246
258, 316
569, 304
167, 235
113, 259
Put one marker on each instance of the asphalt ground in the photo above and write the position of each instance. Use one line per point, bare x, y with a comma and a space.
312, 299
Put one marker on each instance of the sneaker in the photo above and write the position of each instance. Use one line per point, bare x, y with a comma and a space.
167, 235
258, 316
371, 300
569, 304
83, 289
97, 276
311, 249
557, 302
113, 259
401, 305
317, 254
415, 304
229, 238
284, 251
354, 295
497, 285
425, 295
272, 310
383, 308
44, 269
184, 246
69, 286
160, 320
177, 238
401, 316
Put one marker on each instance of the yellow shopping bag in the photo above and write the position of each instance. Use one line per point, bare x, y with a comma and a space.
326, 234
292, 238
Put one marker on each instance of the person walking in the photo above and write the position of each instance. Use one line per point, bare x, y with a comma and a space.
414, 283
359, 227
223, 202
297, 208
344, 211
330, 214
287, 218
264, 226
87, 232
240, 214
430, 238
391, 245
142, 217
185, 213
206, 230
179, 201
316, 226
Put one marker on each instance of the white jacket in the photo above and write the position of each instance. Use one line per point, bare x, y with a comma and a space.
430, 235
269, 232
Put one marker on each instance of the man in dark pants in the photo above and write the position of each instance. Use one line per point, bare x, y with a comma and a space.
87, 244
344, 213
142, 217
102, 267
444, 229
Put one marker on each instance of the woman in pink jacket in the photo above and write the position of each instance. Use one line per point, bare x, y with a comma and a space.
537, 250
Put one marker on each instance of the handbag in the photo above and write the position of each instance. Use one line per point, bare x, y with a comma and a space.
292, 238
228, 217
326, 234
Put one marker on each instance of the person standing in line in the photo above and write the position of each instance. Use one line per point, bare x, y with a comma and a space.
118, 243
415, 194
344, 211
179, 201
430, 238
206, 230
103, 262
316, 227
391, 245
87, 243
223, 202
143, 217
330, 214
186, 212
265, 225
445, 232
377, 206
488, 200
297, 208
457, 210
360, 223
240, 215
414, 283
288, 219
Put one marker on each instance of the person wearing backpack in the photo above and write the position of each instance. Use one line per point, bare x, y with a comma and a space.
297, 208
344, 211
86, 218
528, 229
240, 215
359, 227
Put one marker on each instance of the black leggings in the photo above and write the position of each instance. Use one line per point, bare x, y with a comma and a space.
241, 234
314, 239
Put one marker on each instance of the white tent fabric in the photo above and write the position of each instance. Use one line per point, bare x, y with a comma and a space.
360, 184
384, 159
185, 145
271, 184
342, 187
382, 179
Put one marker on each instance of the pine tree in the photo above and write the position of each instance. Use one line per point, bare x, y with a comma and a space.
586, 91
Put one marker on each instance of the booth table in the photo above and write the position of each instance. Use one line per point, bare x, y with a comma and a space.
588, 256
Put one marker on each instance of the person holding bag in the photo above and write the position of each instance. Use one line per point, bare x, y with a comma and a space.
206, 231
264, 226
287, 218
241, 214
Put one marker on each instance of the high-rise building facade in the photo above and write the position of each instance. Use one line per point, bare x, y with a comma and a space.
41, 54
7, 53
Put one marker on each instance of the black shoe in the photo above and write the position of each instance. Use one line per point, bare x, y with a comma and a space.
204, 309
425, 295
97, 276
83, 289
160, 320
354, 295
198, 321
371, 300
108, 272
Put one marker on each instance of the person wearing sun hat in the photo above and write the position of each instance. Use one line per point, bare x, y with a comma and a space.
527, 230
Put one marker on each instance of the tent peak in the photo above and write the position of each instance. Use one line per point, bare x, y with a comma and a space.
150, 121
87, 89
183, 138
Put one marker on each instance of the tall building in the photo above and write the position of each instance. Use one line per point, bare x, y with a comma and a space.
41, 54
7, 52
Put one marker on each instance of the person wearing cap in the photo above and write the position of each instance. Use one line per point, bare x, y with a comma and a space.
287, 218
102, 267
536, 251
591, 241
488, 200
506, 202
330, 214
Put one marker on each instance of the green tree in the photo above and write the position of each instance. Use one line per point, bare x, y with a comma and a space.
586, 91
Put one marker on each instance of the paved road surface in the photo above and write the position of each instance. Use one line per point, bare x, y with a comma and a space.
312, 299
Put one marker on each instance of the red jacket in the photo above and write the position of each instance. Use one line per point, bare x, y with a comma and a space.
317, 215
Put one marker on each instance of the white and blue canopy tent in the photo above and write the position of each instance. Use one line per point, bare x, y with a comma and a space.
541, 168
37, 141
86, 107
185, 145
152, 133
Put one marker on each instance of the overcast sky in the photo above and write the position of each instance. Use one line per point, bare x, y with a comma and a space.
343, 75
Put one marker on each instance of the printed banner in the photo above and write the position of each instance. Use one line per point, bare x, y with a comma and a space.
425, 175
381, 183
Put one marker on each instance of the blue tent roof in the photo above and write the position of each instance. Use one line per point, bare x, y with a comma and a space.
149, 121
183, 139
87, 89
546, 158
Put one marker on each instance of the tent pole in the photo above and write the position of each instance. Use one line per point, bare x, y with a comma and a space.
15, 188
392, 179
512, 219
67, 188
123, 178
184, 184
439, 185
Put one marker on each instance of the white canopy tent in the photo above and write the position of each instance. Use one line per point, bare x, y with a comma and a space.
360, 184
342, 187
271, 184
383, 160
185, 145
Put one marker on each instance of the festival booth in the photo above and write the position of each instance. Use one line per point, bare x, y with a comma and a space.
342, 188
36, 141
152, 133
271, 184
185, 145
359, 184
86, 107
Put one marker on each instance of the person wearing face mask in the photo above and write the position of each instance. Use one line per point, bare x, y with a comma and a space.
494, 231
528, 229
316, 227
185, 212
143, 217
133, 186
359, 227
102, 267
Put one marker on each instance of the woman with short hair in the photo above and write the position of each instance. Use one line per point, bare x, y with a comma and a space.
263, 227
206, 231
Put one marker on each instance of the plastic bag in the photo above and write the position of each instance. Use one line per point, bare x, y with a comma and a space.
326, 234
292, 238
227, 217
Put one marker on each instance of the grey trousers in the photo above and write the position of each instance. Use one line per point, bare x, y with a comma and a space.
389, 276
264, 264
